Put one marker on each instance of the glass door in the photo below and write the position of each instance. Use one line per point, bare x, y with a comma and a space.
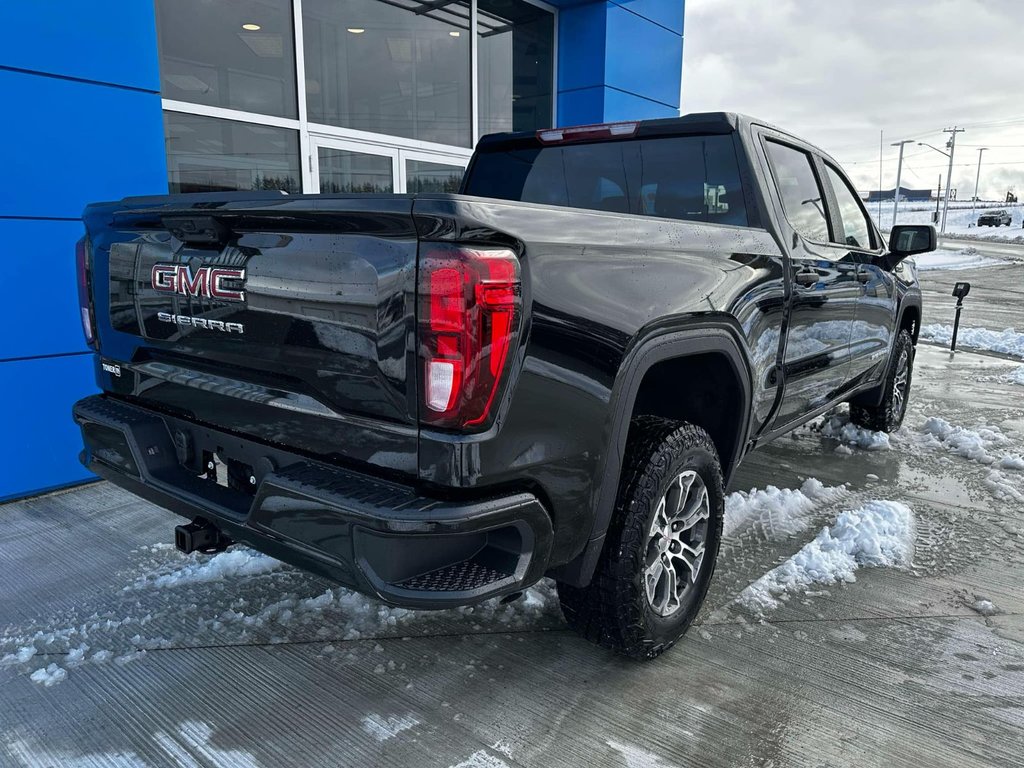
343, 166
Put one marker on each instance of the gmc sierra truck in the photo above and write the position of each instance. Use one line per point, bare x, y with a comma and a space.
437, 399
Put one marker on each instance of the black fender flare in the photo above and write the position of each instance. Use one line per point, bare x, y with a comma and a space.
911, 301
697, 337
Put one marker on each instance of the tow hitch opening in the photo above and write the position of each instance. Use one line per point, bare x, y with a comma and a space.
200, 536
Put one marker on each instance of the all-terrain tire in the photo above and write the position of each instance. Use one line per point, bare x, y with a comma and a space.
614, 610
888, 415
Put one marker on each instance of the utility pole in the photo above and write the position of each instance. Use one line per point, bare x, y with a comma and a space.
881, 140
977, 178
951, 145
938, 197
899, 172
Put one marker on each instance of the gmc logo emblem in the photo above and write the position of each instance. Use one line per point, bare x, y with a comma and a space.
205, 283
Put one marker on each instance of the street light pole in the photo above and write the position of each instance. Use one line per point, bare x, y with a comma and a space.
949, 174
977, 179
899, 173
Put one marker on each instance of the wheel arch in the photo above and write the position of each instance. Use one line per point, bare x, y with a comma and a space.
657, 355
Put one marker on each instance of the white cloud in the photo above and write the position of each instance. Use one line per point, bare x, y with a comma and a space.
837, 72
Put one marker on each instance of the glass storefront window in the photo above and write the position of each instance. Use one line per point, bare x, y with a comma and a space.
205, 154
384, 68
425, 176
342, 170
515, 65
238, 54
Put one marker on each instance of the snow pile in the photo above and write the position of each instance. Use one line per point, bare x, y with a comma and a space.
1016, 376
781, 511
947, 259
973, 444
1006, 342
238, 562
984, 607
1001, 487
837, 426
880, 533
49, 676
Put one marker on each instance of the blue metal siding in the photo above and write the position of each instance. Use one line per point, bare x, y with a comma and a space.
83, 122
619, 60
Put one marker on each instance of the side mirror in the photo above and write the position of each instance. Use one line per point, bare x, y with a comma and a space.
908, 240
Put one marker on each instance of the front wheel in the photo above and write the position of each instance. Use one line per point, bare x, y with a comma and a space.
661, 545
888, 415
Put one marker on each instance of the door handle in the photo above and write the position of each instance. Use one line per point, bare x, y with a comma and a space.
806, 278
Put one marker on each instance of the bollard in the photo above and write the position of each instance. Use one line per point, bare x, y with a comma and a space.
960, 290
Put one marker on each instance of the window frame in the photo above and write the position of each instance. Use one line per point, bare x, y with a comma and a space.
876, 239
309, 131
827, 201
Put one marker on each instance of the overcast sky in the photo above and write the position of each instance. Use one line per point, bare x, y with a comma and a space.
837, 71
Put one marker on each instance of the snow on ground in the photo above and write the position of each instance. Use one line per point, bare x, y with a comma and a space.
879, 533
985, 445
1016, 376
984, 607
959, 220
238, 562
780, 512
948, 259
836, 425
232, 598
1006, 342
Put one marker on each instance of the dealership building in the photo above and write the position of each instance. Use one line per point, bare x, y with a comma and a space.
111, 98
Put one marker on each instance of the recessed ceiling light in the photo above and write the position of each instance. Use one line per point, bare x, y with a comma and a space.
251, 27
454, 34
356, 30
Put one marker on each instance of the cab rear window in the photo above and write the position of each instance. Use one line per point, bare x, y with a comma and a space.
694, 178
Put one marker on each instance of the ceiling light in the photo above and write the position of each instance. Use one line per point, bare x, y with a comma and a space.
251, 27
454, 34
356, 30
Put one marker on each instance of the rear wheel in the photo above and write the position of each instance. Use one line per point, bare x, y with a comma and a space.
661, 545
888, 415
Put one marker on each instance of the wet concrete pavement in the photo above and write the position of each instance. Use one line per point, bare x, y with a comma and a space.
895, 669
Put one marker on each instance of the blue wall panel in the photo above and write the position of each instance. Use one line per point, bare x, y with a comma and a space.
41, 442
84, 123
668, 14
619, 60
42, 318
109, 41
78, 143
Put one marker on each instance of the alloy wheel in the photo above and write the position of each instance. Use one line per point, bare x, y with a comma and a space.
675, 543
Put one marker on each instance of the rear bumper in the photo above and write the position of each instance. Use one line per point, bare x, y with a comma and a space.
372, 535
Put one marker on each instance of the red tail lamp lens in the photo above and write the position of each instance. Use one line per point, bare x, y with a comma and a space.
470, 303
84, 299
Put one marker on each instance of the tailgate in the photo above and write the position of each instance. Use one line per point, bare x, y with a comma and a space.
288, 319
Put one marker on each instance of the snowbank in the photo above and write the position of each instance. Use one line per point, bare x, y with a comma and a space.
783, 511
948, 259
973, 444
1006, 342
837, 426
880, 533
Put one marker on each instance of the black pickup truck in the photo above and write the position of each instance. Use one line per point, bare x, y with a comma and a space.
442, 398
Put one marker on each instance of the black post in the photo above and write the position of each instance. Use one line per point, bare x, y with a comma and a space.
956, 324
960, 290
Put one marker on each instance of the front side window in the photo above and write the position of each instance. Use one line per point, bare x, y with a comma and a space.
239, 55
802, 198
695, 178
856, 230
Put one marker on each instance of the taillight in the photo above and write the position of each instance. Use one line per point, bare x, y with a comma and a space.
469, 310
84, 299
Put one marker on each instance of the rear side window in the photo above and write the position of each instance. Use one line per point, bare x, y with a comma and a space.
798, 187
694, 178
856, 230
